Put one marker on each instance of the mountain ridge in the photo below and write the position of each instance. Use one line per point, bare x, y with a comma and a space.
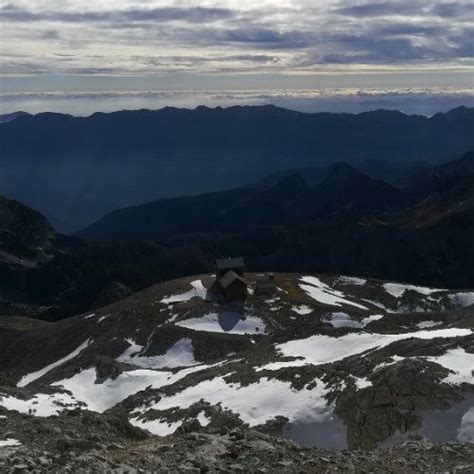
95, 164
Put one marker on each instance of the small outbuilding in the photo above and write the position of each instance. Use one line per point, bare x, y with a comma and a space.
265, 285
230, 283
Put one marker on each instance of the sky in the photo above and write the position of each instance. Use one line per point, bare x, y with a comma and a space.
318, 54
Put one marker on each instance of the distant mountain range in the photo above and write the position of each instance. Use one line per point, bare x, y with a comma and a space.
76, 169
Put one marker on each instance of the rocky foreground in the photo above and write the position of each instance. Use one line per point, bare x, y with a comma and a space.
325, 373
83, 442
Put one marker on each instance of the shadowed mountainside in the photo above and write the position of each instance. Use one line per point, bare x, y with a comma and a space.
76, 169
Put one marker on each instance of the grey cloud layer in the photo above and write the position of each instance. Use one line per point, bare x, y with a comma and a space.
230, 36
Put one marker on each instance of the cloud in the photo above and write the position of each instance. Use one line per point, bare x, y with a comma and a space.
382, 9
454, 9
264, 36
150, 37
164, 14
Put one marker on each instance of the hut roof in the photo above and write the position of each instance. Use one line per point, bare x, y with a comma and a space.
230, 277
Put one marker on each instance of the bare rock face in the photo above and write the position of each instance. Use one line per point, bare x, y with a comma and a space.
25, 234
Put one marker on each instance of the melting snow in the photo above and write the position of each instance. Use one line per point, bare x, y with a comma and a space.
395, 359
324, 349
225, 322
282, 365
100, 397
370, 319
27, 379
428, 324
322, 293
347, 280
203, 419
397, 289
255, 403
343, 320
362, 383
9, 442
40, 405
197, 291
458, 361
179, 355
96, 396
302, 309
157, 427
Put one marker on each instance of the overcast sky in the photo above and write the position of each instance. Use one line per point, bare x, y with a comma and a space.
232, 44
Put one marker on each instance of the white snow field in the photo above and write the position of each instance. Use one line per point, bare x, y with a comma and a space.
95, 396
323, 293
255, 404
460, 363
197, 291
225, 322
321, 349
179, 355
27, 379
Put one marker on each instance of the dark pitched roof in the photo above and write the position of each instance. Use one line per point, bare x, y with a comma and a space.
230, 263
230, 277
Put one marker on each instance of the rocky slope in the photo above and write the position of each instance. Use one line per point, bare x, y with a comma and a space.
326, 361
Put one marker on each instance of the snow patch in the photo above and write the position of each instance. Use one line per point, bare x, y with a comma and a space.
197, 291
348, 280
203, 419
428, 324
322, 349
157, 427
397, 289
341, 320
460, 363
179, 355
282, 365
302, 309
322, 293
362, 382
27, 379
370, 319
41, 405
256, 403
9, 442
95, 396
225, 322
